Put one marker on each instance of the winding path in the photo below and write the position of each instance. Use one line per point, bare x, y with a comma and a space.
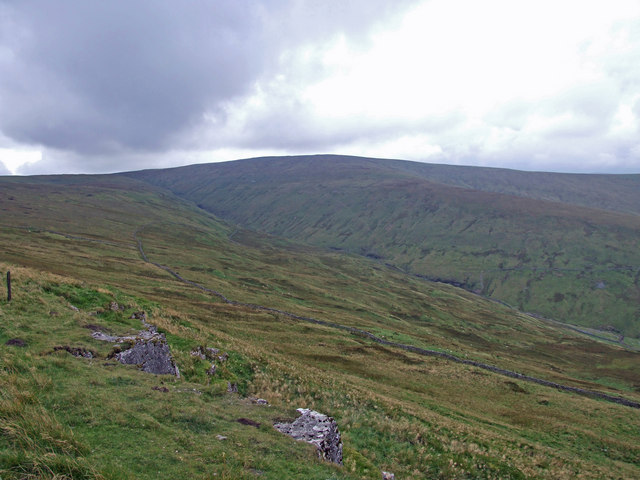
410, 348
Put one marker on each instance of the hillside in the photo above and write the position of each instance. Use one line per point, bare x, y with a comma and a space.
568, 262
83, 241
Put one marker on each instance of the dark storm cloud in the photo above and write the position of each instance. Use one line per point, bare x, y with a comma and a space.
103, 76
96, 78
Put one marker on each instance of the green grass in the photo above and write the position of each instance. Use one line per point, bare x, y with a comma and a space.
418, 417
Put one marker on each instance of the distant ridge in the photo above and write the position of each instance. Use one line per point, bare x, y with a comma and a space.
615, 192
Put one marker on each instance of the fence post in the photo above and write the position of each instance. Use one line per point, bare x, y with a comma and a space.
8, 286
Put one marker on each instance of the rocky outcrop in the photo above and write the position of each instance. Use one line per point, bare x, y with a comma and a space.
148, 349
318, 429
153, 356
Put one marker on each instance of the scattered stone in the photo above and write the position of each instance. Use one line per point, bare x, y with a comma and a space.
319, 430
212, 370
223, 357
221, 437
142, 316
98, 335
160, 389
74, 308
209, 353
16, 342
261, 401
198, 353
248, 421
114, 307
232, 387
78, 352
53, 313
388, 476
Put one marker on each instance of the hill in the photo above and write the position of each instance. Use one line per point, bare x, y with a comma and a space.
562, 260
88, 242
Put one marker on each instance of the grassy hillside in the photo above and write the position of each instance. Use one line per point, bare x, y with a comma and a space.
571, 263
70, 241
617, 193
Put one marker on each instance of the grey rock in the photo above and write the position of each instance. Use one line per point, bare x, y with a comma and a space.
74, 308
212, 370
140, 316
209, 353
261, 401
149, 348
98, 335
319, 430
232, 387
114, 307
198, 353
153, 356
78, 352
388, 476
223, 357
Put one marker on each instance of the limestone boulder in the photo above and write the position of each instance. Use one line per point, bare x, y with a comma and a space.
153, 356
319, 430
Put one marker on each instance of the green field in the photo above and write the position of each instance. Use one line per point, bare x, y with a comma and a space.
74, 241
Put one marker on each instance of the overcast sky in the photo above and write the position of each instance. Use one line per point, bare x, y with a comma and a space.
103, 86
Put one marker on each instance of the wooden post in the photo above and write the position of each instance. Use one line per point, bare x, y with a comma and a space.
8, 286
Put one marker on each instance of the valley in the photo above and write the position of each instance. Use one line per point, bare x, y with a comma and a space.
563, 260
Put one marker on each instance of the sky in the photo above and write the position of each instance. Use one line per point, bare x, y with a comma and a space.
89, 86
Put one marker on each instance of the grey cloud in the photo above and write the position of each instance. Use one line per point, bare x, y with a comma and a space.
4, 170
57, 161
105, 76
287, 122
114, 77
